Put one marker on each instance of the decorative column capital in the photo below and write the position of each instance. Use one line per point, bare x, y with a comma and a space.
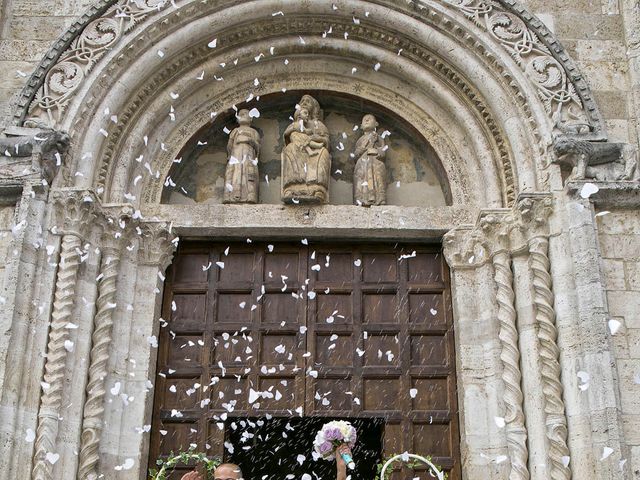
465, 248
116, 225
74, 212
534, 211
499, 230
157, 244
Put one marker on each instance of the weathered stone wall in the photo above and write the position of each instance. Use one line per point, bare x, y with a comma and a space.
619, 236
6, 222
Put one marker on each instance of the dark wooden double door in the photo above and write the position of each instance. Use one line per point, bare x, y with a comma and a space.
265, 330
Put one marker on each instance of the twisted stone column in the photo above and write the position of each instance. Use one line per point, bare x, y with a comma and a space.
101, 340
556, 421
51, 399
510, 356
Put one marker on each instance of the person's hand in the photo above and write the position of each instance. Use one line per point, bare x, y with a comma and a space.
340, 463
194, 475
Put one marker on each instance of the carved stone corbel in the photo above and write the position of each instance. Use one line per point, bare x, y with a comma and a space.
116, 230
45, 147
75, 210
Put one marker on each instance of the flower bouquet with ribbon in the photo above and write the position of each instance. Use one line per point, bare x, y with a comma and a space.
331, 437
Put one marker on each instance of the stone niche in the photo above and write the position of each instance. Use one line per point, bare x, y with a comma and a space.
414, 173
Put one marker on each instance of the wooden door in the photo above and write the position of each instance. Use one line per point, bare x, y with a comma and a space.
333, 330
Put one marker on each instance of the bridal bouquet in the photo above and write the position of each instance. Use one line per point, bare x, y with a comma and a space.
331, 436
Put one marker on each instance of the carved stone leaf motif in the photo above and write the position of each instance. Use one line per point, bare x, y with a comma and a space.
555, 89
76, 62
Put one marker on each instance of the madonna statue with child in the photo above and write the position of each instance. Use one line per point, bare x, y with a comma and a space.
306, 161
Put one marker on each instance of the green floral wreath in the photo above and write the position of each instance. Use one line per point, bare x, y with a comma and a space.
168, 464
410, 463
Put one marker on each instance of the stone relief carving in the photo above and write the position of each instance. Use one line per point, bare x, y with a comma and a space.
369, 176
306, 161
549, 73
67, 74
241, 176
602, 161
535, 211
47, 148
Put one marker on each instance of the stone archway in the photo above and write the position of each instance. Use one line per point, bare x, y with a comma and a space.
483, 111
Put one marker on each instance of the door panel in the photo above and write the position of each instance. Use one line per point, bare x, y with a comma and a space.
325, 330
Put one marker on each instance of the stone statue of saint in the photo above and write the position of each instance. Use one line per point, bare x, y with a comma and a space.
369, 176
241, 177
306, 161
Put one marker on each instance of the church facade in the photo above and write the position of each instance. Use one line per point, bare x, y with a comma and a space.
421, 216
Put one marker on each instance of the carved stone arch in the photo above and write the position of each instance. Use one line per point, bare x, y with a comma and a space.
518, 73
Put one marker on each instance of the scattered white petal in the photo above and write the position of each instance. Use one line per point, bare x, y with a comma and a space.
588, 189
606, 453
614, 326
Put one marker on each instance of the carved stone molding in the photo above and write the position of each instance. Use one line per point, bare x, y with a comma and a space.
295, 25
498, 230
511, 373
563, 91
497, 235
96, 38
156, 244
116, 230
535, 49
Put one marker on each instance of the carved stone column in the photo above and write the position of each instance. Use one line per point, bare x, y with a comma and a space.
499, 239
485, 445
535, 212
133, 358
76, 210
499, 229
115, 232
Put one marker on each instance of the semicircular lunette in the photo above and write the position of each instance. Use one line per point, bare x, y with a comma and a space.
414, 175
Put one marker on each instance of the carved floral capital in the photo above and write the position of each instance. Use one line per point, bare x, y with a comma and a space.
499, 230
156, 244
74, 212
